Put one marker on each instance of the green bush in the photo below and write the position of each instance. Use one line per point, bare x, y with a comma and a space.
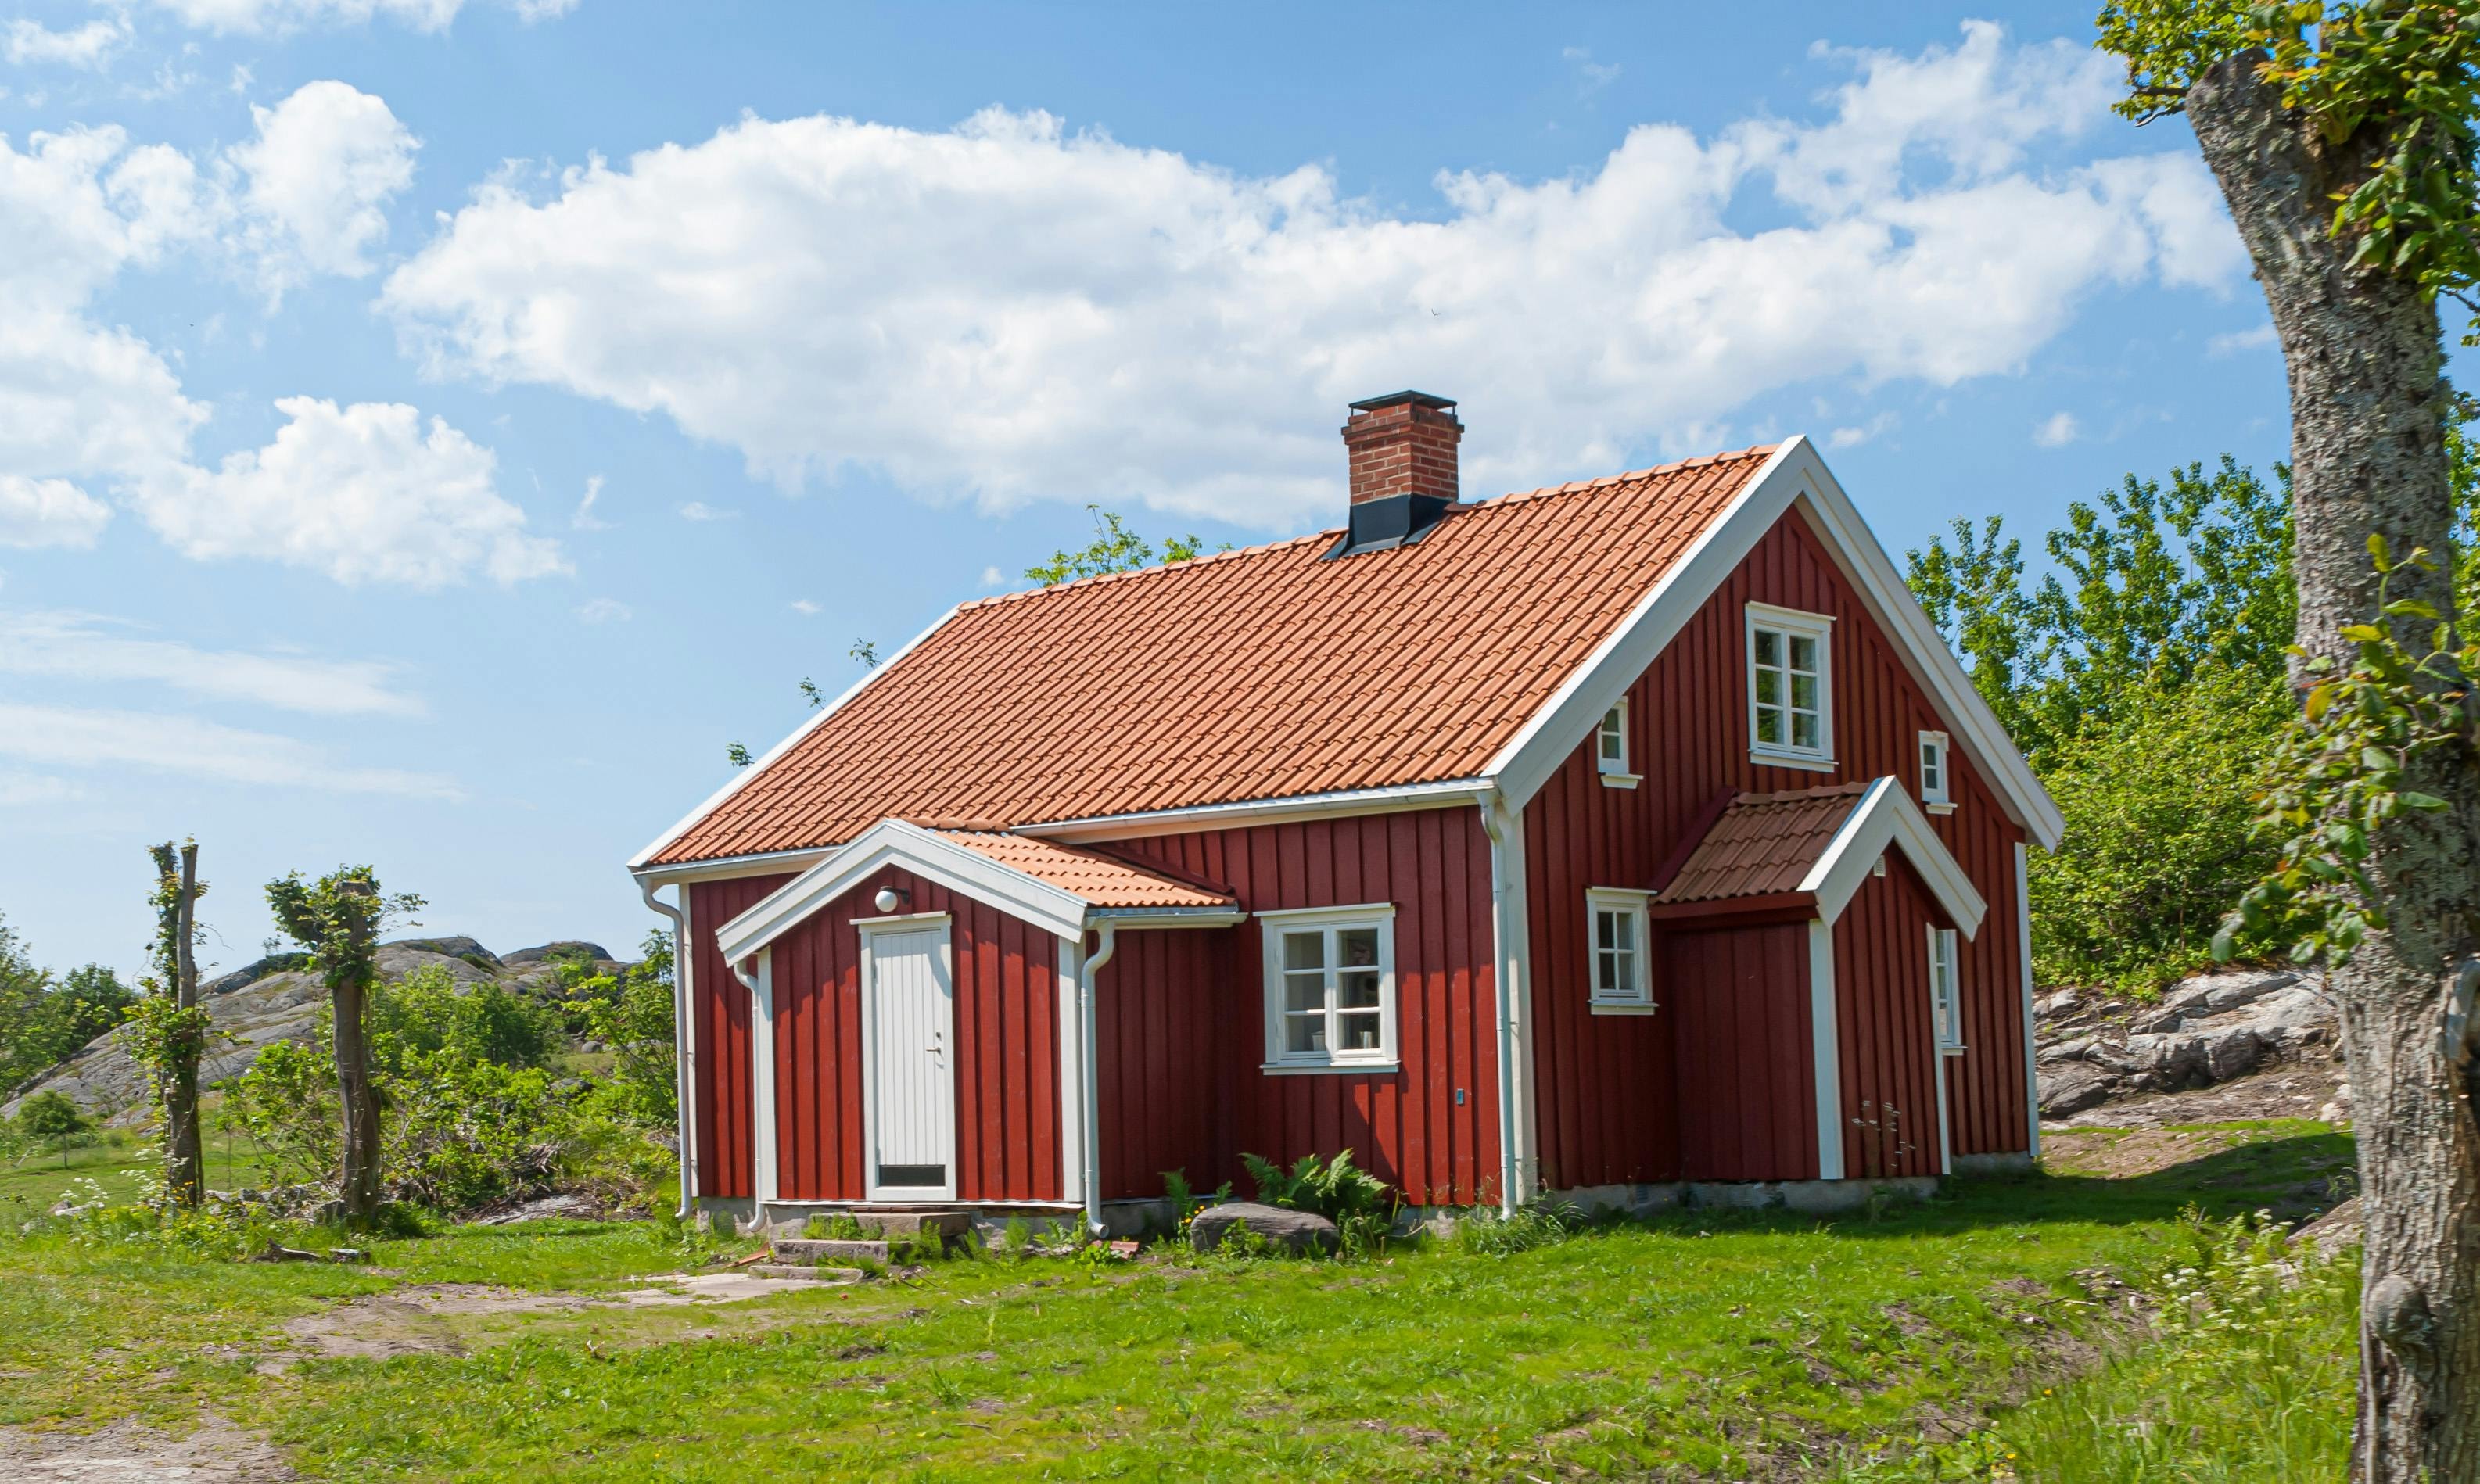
1353, 1199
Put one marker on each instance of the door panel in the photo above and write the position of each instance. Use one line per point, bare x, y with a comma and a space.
912, 1065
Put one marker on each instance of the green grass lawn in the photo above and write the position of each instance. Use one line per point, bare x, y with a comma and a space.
1709, 1343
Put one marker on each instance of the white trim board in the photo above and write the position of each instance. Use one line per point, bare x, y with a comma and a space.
1825, 1049
1886, 816
892, 842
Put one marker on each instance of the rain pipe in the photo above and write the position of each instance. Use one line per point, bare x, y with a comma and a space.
1092, 1099
1504, 906
682, 1082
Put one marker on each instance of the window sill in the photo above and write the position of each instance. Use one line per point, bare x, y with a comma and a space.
1600, 1008
1329, 1069
1952, 1051
1936, 807
1803, 760
1621, 779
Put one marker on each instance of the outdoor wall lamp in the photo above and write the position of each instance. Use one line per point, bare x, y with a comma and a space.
891, 898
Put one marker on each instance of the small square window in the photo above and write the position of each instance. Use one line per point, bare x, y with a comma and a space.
1789, 686
1933, 774
1329, 987
1623, 976
1945, 990
1610, 740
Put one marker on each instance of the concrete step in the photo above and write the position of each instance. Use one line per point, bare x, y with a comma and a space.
914, 1221
813, 1249
805, 1270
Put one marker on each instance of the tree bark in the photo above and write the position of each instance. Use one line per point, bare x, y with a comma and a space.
2369, 406
359, 1187
184, 1153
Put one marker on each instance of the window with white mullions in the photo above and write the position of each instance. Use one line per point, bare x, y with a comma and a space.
1621, 970
1789, 685
1946, 992
1934, 772
1610, 740
1331, 977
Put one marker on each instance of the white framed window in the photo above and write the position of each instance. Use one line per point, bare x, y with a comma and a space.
1946, 990
1791, 686
1610, 740
1329, 989
1620, 957
1933, 771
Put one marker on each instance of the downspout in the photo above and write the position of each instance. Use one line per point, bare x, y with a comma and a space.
683, 1049
1493, 819
1092, 1111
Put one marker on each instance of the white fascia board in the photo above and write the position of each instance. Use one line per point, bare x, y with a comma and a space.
1975, 728
817, 720
1564, 722
725, 867
1390, 800
1886, 816
893, 842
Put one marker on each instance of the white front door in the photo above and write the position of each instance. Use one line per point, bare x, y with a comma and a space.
908, 1029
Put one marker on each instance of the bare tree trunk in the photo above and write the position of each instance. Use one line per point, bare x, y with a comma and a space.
359, 1185
2368, 407
184, 1154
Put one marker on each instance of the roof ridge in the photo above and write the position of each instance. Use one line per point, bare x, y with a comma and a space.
1632, 475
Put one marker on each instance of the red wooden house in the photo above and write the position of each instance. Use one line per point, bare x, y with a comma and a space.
1620, 838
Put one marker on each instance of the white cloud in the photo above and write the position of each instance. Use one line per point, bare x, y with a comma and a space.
257, 17
81, 647
602, 610
27, 43
186, 745
48, 513
1854, 437
700, 510
804, 607
1009, 311
22, 788
319, 177
2058, 431
585, 519
2261, 338
363, 493
1591, 76
991, 576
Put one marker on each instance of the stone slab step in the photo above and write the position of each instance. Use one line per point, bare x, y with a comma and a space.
813, 1249
914, 1221
805, 1270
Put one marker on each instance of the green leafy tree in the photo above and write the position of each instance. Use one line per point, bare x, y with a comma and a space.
631, 1013
44, 1021
1114, 549
168, 1028
51, 1122
337, 918
2342, 137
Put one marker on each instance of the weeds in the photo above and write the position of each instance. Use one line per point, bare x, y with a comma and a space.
1540, 1224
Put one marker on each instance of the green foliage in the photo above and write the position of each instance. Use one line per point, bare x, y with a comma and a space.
2396, 82
44, 1021
52, 1118
833, 1226
1114, 549
162, 1035
428, 1014
2342, 767
286, 1104
1490, 1232
1357, 1201
337, 918
631, 1013
2144, 678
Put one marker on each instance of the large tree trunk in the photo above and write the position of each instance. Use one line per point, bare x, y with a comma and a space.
2368, 411
185, 1177
359, 1187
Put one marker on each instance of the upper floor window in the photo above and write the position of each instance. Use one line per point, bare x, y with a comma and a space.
1790, 716
1329, 987
1933, 771
1946, 992
1622, 975
1609, 739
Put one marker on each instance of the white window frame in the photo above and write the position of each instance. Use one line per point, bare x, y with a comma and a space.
1940, 795
1614, 771
1636, 999
1330, 921
1791, 623
1946, 990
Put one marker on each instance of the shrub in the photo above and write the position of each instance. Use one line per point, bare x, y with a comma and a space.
835, 1226
1353, 1198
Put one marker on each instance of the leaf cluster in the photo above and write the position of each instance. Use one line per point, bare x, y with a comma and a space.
338, 919
1114, 549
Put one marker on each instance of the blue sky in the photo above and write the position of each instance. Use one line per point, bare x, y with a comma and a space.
431, 431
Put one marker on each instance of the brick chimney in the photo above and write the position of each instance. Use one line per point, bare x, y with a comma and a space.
1404, 444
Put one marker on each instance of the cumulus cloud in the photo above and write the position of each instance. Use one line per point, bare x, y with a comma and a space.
364, 494
259, 17
319, 176
48, 513
700, 510
189, 746
1010, 310
2058, 431
28, 43
86, 646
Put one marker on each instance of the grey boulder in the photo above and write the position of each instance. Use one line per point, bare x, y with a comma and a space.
1293, 1231
2072, 1087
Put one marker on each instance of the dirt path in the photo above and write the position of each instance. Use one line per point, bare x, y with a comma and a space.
216, 1452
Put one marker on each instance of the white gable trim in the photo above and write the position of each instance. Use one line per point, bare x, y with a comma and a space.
817, 719
893, 842
1794, 475
1886, 816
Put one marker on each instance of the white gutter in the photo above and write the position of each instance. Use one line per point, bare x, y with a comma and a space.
1506, 909
684, 1048
1190, 819
1093, 1120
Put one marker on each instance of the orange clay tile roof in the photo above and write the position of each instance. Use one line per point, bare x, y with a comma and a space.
1260, 674
1100, 880
1764, 843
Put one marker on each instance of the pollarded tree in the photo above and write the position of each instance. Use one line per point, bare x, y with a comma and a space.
167, 1029
2342, 139
338, 919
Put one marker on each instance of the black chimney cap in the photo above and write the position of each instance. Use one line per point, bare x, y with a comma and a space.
1392, 399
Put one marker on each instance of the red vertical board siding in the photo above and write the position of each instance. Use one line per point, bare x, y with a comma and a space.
1006, 976
1745, 1080
726, 1153
1889, 1054
1182, 1015
1609, 1105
